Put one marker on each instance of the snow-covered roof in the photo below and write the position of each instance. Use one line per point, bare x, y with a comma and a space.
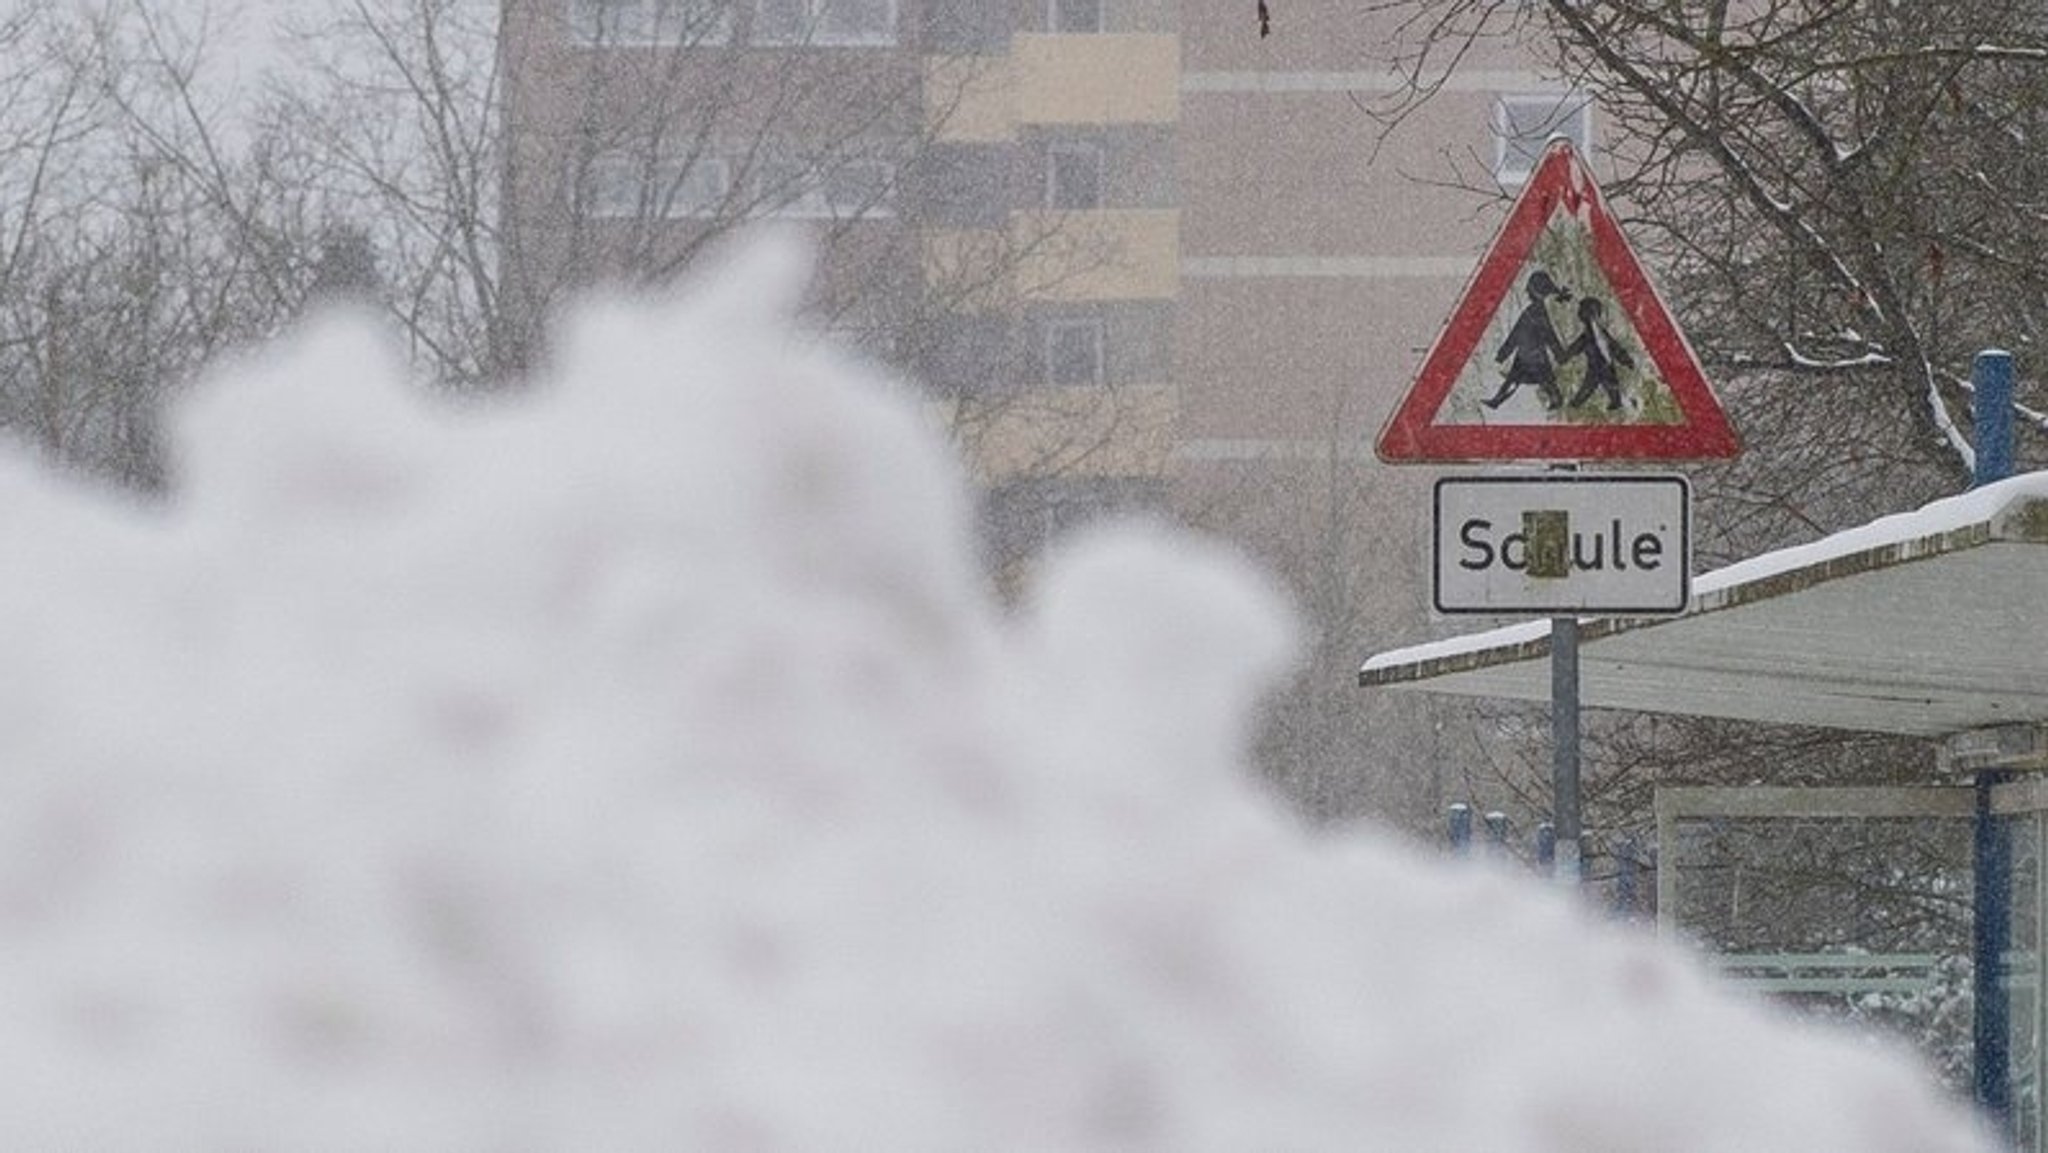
1926, 623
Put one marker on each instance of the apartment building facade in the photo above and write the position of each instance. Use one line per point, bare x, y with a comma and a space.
995, 188
1139, 254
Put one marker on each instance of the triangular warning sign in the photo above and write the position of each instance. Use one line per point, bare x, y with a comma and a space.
1560, 348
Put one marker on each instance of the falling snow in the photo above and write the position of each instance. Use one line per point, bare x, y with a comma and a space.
645, 764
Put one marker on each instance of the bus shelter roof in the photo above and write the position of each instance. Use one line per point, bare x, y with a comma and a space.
1927, 623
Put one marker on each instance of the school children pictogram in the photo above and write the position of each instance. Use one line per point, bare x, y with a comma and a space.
1587, 376
1606, 357
1560, 348
1532, 351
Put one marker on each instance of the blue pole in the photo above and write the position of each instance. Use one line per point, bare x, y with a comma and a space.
1546, 846
1991, 412
1496, 830
1461, 827
1991, 856
1991, 935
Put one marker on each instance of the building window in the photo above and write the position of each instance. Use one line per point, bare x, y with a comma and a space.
623, 186
696, 190
1073, 352
612, 186
1073, 176
825, 21
1522, 125
1074, 16
1023, 516
627, 22
969, 354
846, 188
966, 185
856, 188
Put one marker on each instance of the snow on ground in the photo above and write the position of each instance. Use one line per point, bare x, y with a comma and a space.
645, 765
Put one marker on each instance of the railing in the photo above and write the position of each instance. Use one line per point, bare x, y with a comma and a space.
1839, 973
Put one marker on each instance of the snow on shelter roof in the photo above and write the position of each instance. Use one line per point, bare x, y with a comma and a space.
1925, 623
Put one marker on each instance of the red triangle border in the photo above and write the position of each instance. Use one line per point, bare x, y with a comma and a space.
1560, 179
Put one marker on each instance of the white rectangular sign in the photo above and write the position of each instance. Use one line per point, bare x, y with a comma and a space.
1563, 543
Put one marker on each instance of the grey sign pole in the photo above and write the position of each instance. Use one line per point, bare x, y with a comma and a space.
1564, 736
1559, 546
1550, 539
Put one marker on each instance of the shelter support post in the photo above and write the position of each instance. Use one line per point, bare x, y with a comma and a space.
1991, 856
1993, 756
1991, 938
1564, 734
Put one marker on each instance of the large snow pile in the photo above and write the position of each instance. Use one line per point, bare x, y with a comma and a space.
644, 765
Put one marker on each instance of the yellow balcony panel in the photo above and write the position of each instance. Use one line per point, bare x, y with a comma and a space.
1111, 78
1109, 254
1067, 431
970, 269
971, 99
1043, 256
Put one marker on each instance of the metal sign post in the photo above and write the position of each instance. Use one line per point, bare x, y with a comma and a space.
1550, 559
1560, 349
1563, 543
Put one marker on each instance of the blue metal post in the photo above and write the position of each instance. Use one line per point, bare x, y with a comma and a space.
1461, 827
1991, 858
1496, 831
1991, 412
1546, 846
1991, 936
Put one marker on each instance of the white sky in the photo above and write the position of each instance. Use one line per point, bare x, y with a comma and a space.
646, 765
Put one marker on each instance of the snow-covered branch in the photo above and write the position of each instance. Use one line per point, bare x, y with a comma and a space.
1806, 363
